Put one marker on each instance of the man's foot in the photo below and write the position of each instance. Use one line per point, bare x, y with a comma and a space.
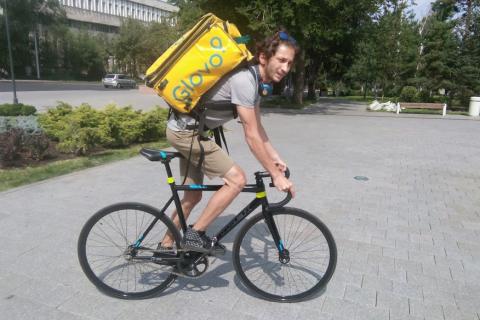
198, 241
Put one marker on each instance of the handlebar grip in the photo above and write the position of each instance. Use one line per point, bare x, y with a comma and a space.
287, 175
287, 198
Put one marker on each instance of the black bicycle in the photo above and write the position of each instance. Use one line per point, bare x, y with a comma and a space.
283, 254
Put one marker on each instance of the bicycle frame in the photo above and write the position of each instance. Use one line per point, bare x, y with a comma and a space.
261, 200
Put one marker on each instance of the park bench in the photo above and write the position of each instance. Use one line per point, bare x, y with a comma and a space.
422, 105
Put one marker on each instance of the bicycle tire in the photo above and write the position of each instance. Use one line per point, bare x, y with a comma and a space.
299, 230
104, 240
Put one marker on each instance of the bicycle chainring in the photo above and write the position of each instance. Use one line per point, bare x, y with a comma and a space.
192, 265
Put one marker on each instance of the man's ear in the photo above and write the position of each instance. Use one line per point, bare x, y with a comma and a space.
262, 57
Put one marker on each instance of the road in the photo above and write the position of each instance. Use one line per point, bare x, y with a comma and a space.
408, 238
46, 94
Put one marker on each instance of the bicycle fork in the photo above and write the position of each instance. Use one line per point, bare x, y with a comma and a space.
283, 253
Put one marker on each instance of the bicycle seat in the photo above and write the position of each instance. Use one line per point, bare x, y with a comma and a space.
158, 155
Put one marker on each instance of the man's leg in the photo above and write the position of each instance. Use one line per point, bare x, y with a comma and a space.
189, 201
234, 182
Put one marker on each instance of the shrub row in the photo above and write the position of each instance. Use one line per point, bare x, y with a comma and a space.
411, 94
14, 110
82, 129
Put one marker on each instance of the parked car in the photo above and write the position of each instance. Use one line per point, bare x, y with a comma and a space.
116, 80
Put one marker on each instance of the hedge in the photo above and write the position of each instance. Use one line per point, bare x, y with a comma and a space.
14, 110
82, 129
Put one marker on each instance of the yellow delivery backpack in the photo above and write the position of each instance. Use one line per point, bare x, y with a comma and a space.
195, 62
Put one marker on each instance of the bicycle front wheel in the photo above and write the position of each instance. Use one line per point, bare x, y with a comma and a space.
115, 250
308, 260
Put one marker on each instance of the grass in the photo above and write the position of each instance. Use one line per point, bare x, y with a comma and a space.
368, 99
430, 111
11, 178
284, 103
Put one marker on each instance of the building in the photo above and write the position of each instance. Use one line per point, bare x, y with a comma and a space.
106, 15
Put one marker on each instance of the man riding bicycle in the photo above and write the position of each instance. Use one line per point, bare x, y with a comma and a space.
241, 88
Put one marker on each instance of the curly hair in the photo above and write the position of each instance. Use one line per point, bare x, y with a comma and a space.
270, 45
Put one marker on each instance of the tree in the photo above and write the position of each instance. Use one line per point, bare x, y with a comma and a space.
365, 67
439, 58
128, 48
189, 13
325, 30
157, 38
24, 17
139, 45
468, 70
83, 56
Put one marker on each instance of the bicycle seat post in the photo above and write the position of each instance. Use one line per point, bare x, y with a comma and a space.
176, 198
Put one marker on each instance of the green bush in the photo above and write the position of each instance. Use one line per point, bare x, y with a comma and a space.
408, 94
121, 126
14, 110
80, 130
424, 96
77, 130
54, 121
154, 124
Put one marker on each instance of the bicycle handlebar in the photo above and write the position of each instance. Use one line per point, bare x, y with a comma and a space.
287, 198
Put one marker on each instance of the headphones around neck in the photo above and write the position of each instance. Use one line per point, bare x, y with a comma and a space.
264, 89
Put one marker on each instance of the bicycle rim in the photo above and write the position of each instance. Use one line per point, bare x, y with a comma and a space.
105, 251
312, 256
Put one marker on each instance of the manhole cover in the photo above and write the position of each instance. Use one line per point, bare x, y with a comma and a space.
360, 178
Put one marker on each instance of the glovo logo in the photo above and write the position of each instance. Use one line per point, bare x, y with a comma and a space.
184, 90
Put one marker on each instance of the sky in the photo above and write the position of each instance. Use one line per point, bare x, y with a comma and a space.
421, 8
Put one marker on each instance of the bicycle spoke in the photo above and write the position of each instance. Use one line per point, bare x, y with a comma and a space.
306, 262
114, 262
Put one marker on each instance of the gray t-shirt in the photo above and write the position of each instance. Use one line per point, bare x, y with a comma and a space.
239, 88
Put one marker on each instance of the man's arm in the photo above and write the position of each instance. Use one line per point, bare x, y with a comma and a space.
256, 139
270, 149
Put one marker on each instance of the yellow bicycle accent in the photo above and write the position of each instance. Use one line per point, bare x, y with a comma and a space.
262, 194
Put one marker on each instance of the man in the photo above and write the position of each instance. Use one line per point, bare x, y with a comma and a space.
274, 58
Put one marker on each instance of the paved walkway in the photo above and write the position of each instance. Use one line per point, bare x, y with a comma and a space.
408, 238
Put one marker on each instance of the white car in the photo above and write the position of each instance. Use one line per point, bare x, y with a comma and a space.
116, 80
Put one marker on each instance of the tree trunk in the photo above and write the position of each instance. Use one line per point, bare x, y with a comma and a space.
299, 78
312, 79
468, 21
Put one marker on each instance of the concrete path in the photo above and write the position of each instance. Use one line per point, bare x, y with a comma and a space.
408, 238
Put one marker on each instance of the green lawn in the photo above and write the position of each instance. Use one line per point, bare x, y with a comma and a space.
429, 111
11, 178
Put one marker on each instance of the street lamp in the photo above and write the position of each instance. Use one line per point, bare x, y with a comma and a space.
7, 27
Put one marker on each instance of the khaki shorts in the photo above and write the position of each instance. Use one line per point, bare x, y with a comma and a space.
216, 162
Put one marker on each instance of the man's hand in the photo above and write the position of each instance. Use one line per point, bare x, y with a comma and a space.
283, 184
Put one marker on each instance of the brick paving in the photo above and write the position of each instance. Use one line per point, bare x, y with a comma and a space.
408, 238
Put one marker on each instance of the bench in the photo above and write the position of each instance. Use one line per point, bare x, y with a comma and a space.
422, 105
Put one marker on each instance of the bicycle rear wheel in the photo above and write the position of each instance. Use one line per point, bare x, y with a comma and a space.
117, 259
312, 256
